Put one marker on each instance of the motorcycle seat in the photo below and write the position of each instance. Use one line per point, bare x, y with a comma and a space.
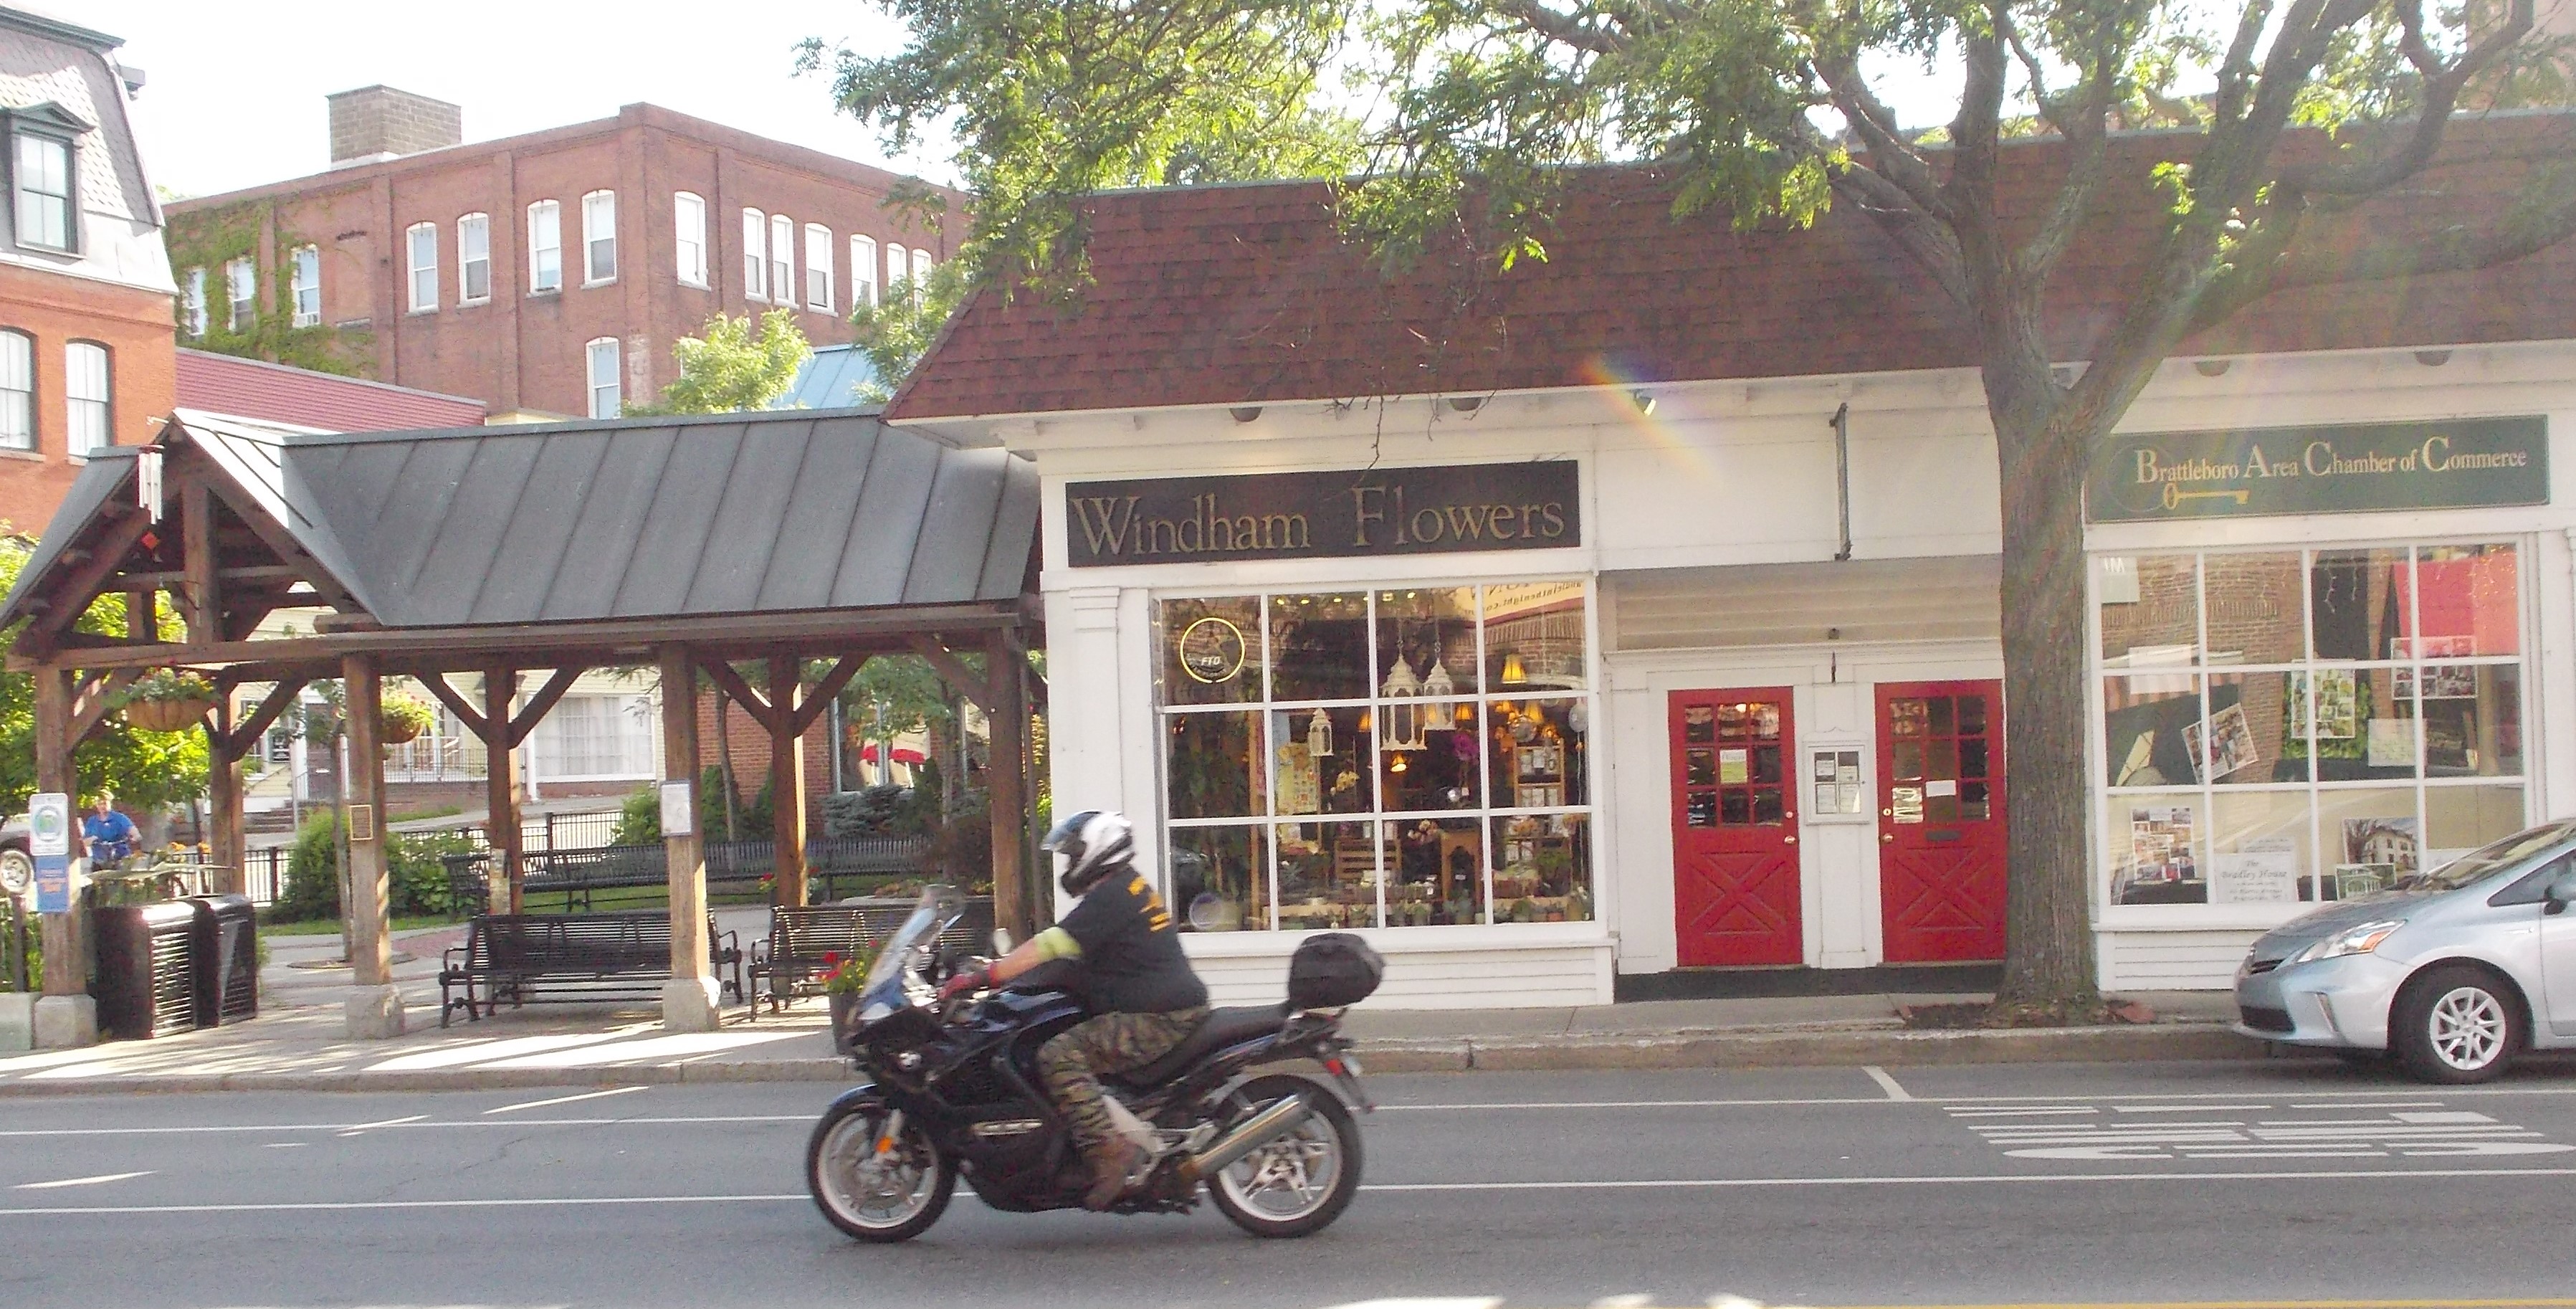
1223, 1027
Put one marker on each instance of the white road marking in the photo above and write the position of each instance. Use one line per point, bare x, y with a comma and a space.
2431, 1132
406, 1124
564, 1099
101, 1179
1631, 1300
1886, 1083
363, 1128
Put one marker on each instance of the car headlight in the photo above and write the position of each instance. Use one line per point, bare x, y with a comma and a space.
2358, 939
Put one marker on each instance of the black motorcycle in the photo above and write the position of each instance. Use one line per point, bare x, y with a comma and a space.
955, 1092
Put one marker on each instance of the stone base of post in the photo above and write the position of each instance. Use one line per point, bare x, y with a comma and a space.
375, 1013
66, 1022
690, 1005
17, 1022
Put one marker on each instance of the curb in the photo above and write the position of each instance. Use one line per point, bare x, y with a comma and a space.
1767, 1049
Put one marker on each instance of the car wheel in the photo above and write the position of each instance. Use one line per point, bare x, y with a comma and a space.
2455, 1025
17, 871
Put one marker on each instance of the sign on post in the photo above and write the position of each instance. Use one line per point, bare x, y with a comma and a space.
679, 809
49, 841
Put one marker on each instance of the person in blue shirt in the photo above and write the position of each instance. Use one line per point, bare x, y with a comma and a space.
110, 834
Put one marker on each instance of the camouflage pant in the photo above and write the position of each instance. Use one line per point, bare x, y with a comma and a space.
1112, 1043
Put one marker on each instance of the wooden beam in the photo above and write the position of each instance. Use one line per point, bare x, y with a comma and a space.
786, 782
205, 612
1006, 732
953, 670
97, 697
370, 928
752, 702
274, 535
446, 694
504, 889
690, 1002
66, 959
814, 702
167, 581
542, 702
84, 583
228, 848
246, 733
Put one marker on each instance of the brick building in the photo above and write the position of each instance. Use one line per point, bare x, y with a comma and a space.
85, 335
545, 274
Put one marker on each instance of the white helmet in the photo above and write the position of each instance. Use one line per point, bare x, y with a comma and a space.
1090, 846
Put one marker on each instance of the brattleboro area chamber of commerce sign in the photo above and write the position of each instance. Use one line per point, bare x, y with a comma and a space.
1382, 511
2320, 470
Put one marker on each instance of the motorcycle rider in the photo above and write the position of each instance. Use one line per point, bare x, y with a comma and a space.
1145, 997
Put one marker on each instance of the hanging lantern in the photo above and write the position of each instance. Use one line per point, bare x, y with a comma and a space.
1404, 717
1436, 683
1319, 736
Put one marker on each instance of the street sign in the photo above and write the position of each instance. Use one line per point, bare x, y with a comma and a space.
49, 840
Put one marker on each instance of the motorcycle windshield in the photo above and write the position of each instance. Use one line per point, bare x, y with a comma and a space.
910, 944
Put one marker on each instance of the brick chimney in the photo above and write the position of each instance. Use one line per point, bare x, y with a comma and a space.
379, 122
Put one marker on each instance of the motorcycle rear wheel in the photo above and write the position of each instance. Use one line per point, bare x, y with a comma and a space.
1299, 1183
884, 1196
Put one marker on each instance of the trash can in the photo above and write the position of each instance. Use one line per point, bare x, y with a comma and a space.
226, 977
147, 983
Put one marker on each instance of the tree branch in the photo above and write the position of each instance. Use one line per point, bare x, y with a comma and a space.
1564, 29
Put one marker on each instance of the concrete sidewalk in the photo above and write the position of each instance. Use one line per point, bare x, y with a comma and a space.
296, 1043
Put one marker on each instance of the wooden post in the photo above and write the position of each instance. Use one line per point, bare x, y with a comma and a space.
787, 780
205, 608
501, 791
689, 1001
226, 847
375, 1009
1006, 724
66, 970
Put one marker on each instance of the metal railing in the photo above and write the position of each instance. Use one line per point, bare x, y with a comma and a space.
574, 872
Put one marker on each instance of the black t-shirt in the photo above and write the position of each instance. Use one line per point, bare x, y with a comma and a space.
1131, 958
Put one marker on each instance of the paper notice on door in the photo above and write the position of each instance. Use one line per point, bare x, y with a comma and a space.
1824, 767
1847, 797
1825, 797
1941, 788
1732, 766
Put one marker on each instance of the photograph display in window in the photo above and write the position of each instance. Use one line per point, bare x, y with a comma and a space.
1410, 757
2347, 716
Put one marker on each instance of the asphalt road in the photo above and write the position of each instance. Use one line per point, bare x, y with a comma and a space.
2287, 1180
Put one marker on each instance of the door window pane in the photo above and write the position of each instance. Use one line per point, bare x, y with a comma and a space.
2150, 609
1211, 651
1214, 767
1319, 647
1217, 880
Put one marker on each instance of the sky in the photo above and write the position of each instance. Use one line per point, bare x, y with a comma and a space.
234, 96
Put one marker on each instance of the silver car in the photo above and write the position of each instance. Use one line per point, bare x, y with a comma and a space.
2454, 971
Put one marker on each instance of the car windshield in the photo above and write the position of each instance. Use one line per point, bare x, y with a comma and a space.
2477, 864
940, 906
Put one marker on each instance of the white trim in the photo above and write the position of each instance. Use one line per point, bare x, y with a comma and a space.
414, 268
755, 255
689, 238
297, 287
818, 268
616, 384
545, 236
480, 224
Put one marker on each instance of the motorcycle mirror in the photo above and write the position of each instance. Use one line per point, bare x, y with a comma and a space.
1001, 941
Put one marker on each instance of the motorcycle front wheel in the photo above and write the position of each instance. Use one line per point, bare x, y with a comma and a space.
1299, 1182
873, 1187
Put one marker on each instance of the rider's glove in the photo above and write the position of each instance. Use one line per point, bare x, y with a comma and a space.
963, 983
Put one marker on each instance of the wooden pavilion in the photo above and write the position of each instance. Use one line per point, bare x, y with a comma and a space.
783, 540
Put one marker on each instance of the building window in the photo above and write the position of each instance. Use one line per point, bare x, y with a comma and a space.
689, 237
474, 258
895, 270
596, 737
43, 174
598, 238
863, 272
545, 247
2291, 725
607, 399
85, 397
920, 276
192, 303
755, 255
307, 285
818, 268
782, 259
17, 390
1400, 758
422, 239
241, 293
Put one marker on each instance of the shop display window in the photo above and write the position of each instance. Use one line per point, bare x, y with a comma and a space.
2355, 718
1413, 757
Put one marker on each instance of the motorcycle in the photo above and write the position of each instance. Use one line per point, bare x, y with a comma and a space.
954, 1091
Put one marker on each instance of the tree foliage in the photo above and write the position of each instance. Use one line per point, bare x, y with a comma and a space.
1459, 120
734, 364
146, 770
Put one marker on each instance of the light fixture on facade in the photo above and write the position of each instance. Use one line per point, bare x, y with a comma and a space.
1245, 413
2211, 367
1466, 404
1644, 400
2432, 358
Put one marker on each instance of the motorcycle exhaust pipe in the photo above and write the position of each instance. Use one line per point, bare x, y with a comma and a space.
1257, 1131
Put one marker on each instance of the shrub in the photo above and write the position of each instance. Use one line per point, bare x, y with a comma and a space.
752, 818
419, 871
868, 811
962, 852
639, 819
313, 871
416, 873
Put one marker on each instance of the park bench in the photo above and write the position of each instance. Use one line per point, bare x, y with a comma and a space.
568, 958
792, 956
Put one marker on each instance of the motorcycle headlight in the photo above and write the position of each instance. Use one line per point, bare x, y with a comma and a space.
2361, 938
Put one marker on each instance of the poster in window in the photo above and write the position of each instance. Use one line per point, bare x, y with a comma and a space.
2264, 870
2376, 853
2227, 745
2163, 865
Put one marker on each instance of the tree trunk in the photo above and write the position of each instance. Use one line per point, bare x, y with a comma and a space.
2048, 939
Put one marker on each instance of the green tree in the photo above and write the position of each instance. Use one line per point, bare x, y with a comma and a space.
146, 770
896, 332
1774, 111
733, 364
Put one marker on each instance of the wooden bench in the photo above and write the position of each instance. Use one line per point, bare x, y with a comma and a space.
576, 874
568, 958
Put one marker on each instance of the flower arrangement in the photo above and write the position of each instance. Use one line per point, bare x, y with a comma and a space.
401, 718
168, 700
844, 974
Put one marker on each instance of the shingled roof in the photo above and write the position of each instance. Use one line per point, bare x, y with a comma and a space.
1245, 294
619, 519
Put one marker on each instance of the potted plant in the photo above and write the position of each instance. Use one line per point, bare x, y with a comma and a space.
844, 980
168, 700
400, 718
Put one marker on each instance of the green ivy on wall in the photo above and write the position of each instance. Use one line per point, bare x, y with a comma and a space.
212, 238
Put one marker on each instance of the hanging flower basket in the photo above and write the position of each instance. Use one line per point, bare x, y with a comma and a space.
401, 718
168, 701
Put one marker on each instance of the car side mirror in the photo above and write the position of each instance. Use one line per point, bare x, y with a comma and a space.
2562, 891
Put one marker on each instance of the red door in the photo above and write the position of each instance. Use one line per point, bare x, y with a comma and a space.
1735, 828
1941, 820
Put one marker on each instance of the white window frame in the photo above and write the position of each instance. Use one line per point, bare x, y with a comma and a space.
17, 390
755, 255
305, 281
420, 243
473, 248
898, 267
607, 399
241, 294
587, 731
545, 247
863, 271
818, 268
782, 260
595, 234
921, 266
192, 304
89, 397
689, 238
24, 195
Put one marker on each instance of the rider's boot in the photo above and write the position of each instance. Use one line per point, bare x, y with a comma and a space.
1112, 1161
